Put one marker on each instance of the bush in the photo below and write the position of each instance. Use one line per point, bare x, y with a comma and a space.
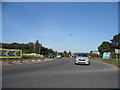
32, 57
27, 56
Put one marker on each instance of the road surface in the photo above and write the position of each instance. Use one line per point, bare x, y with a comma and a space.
61, 73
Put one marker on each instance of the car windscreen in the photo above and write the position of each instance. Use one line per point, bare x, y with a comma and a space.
83, 55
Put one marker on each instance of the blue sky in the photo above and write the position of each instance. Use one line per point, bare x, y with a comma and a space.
89, 23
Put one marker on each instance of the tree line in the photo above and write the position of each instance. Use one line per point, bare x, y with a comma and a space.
37, 47
33, 47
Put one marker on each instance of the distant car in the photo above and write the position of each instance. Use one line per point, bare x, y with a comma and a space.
82, 58
58, 56
46, 55
51, 56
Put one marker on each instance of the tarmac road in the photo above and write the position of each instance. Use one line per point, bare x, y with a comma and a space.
61, 73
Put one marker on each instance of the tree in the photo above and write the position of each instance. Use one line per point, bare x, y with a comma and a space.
115, 42
110, 47
69, 53
31, 47
104, 47
15, 45
65, 54
0, 45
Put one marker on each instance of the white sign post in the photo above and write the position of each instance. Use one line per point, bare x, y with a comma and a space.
117, 52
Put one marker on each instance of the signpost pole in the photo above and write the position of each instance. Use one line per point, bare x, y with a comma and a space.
116, 56
117, 52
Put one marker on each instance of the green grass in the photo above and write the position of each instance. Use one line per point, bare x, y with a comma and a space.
96, 58
113, 61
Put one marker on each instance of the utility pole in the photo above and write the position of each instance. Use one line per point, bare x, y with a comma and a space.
34, 47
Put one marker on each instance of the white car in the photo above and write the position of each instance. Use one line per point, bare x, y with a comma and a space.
82, 58
58, 56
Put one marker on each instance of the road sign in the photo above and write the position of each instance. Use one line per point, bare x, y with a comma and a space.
106, 55
117, 51
10, 53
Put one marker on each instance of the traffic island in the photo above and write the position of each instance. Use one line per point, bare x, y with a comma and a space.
19, 62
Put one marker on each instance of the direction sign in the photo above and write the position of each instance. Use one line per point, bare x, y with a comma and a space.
10, 53
117, 51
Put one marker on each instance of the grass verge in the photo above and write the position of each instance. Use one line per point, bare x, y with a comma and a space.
112, 61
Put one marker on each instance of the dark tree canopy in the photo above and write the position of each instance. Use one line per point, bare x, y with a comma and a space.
104, 47
29, 47
116, 42
110, 46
